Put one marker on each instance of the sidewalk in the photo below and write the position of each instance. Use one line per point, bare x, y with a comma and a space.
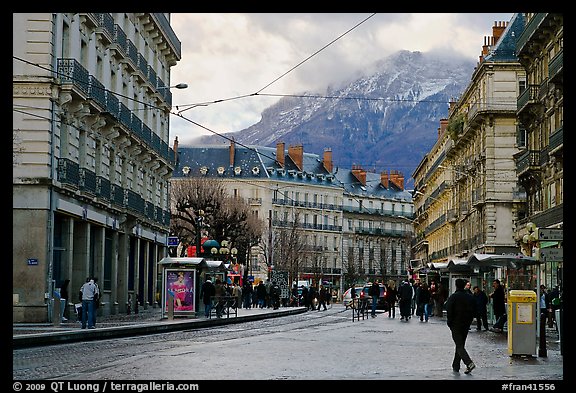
147, 321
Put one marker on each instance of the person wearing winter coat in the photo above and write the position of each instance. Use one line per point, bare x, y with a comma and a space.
405, 300
207, 291
261, 293
391, 296
460, 310
374, 292
423, 302
481, 312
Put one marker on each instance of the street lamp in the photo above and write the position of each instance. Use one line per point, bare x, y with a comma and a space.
178, 86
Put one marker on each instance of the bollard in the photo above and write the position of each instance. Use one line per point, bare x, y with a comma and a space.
129, 305
170, 305
56, 313
542, 352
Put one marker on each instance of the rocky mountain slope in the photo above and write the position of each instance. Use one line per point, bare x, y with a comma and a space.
385, 120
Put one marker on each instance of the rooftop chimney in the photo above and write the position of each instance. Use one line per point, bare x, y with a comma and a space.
397, 179
498, 29
175, 149
359, 173
327, 160
384, 179
232, 152
296, 154
443, 126
280, 153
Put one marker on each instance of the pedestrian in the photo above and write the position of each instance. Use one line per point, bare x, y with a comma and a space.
97, 300
460, 309
498, 306
247, 294
424, 302
268, 286
88, 292
391, 295
207, 291
481, 312
374, 291
545, 305
322, 295
304, 296
312, 297
468, 288
433, 297
405, 300
237, 292
261, 293
441, 296
415, 289
64, 300
275, 292
219, 294
294, 296
555, 304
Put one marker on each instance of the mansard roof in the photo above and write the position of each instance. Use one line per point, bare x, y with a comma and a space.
505, 49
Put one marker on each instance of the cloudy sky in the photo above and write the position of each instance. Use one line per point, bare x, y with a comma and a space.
231, 57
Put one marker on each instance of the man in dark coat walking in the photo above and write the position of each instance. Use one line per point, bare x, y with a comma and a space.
460, 310
207, 291
405, 294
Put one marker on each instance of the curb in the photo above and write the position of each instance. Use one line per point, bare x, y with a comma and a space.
40, 339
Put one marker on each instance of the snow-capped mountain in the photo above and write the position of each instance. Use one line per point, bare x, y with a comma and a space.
387, 120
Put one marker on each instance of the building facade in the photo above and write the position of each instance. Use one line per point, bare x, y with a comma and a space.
467, 199
91, 158
540, 110
348, 221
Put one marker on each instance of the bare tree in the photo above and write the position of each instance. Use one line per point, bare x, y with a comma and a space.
352, 274
224, 217
289, 247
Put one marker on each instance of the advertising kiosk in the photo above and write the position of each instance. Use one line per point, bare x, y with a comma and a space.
182, 279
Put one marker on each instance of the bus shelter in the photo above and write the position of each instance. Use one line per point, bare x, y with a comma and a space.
182, 278
515, 272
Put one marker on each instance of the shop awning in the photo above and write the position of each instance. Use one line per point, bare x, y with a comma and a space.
181, 261
514, 261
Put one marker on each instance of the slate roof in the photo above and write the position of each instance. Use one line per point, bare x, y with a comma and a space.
505, 48
259, 162
251, 162
373, 187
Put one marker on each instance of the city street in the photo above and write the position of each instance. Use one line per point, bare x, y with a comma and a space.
325, 345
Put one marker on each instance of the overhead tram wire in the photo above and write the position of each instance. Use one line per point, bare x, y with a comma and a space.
281, 76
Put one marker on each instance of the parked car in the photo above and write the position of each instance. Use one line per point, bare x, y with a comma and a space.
347, 298
382, 304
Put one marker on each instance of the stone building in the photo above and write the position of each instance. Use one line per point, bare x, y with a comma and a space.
540, 164
466, 197
344, 218
91, 162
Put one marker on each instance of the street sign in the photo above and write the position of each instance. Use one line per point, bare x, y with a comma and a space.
550, 234
550, 254
173, 241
